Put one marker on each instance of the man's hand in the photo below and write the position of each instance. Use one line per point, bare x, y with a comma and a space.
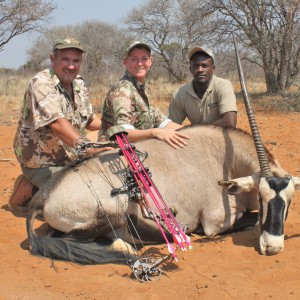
85, 147
64, 130
93, 151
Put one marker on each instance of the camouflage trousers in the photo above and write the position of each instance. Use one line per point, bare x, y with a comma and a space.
39, 176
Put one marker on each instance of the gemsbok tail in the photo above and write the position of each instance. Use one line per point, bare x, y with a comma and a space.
69, 250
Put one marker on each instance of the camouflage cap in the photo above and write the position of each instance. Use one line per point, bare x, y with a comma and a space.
65, 43
203, 50
137, 44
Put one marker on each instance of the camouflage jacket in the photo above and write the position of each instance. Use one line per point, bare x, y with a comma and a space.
128, 104
45, 101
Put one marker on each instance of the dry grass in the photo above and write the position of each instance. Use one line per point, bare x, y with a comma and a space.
253, 87
13, 86
12, 89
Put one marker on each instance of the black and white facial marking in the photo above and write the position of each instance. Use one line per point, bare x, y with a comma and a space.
275, 194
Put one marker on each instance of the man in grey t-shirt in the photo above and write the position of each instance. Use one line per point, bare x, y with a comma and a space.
207, 99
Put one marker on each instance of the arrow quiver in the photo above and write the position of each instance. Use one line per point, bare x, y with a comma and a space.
142, 189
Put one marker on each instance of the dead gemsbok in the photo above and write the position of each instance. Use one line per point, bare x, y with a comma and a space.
210, 183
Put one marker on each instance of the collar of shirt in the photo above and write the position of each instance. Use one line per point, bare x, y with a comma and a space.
54, 77
129, 77
140, 87
76, 87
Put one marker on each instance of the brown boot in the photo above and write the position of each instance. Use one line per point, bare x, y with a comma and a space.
21, 195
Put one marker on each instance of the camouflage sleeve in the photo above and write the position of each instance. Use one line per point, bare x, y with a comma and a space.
159, 117
122, 104
45, 104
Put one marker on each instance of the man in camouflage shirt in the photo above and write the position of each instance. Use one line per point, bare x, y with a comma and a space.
127, 104
56, 111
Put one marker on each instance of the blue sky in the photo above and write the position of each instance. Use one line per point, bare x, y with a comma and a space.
68, 12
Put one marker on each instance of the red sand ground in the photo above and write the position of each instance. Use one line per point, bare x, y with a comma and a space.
226, 267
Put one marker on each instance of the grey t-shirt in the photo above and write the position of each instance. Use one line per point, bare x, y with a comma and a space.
218, 99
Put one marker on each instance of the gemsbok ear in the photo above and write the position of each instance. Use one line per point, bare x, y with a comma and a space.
296, 181
239, 185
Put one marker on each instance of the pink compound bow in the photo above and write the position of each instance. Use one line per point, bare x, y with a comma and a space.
151, 196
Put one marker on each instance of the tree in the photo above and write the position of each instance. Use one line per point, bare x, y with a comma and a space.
268, 31
271, 28
104, 44
41, 48
21, 16
171, 27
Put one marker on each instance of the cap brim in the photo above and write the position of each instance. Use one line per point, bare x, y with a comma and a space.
195, 50
69, 47
145, 46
